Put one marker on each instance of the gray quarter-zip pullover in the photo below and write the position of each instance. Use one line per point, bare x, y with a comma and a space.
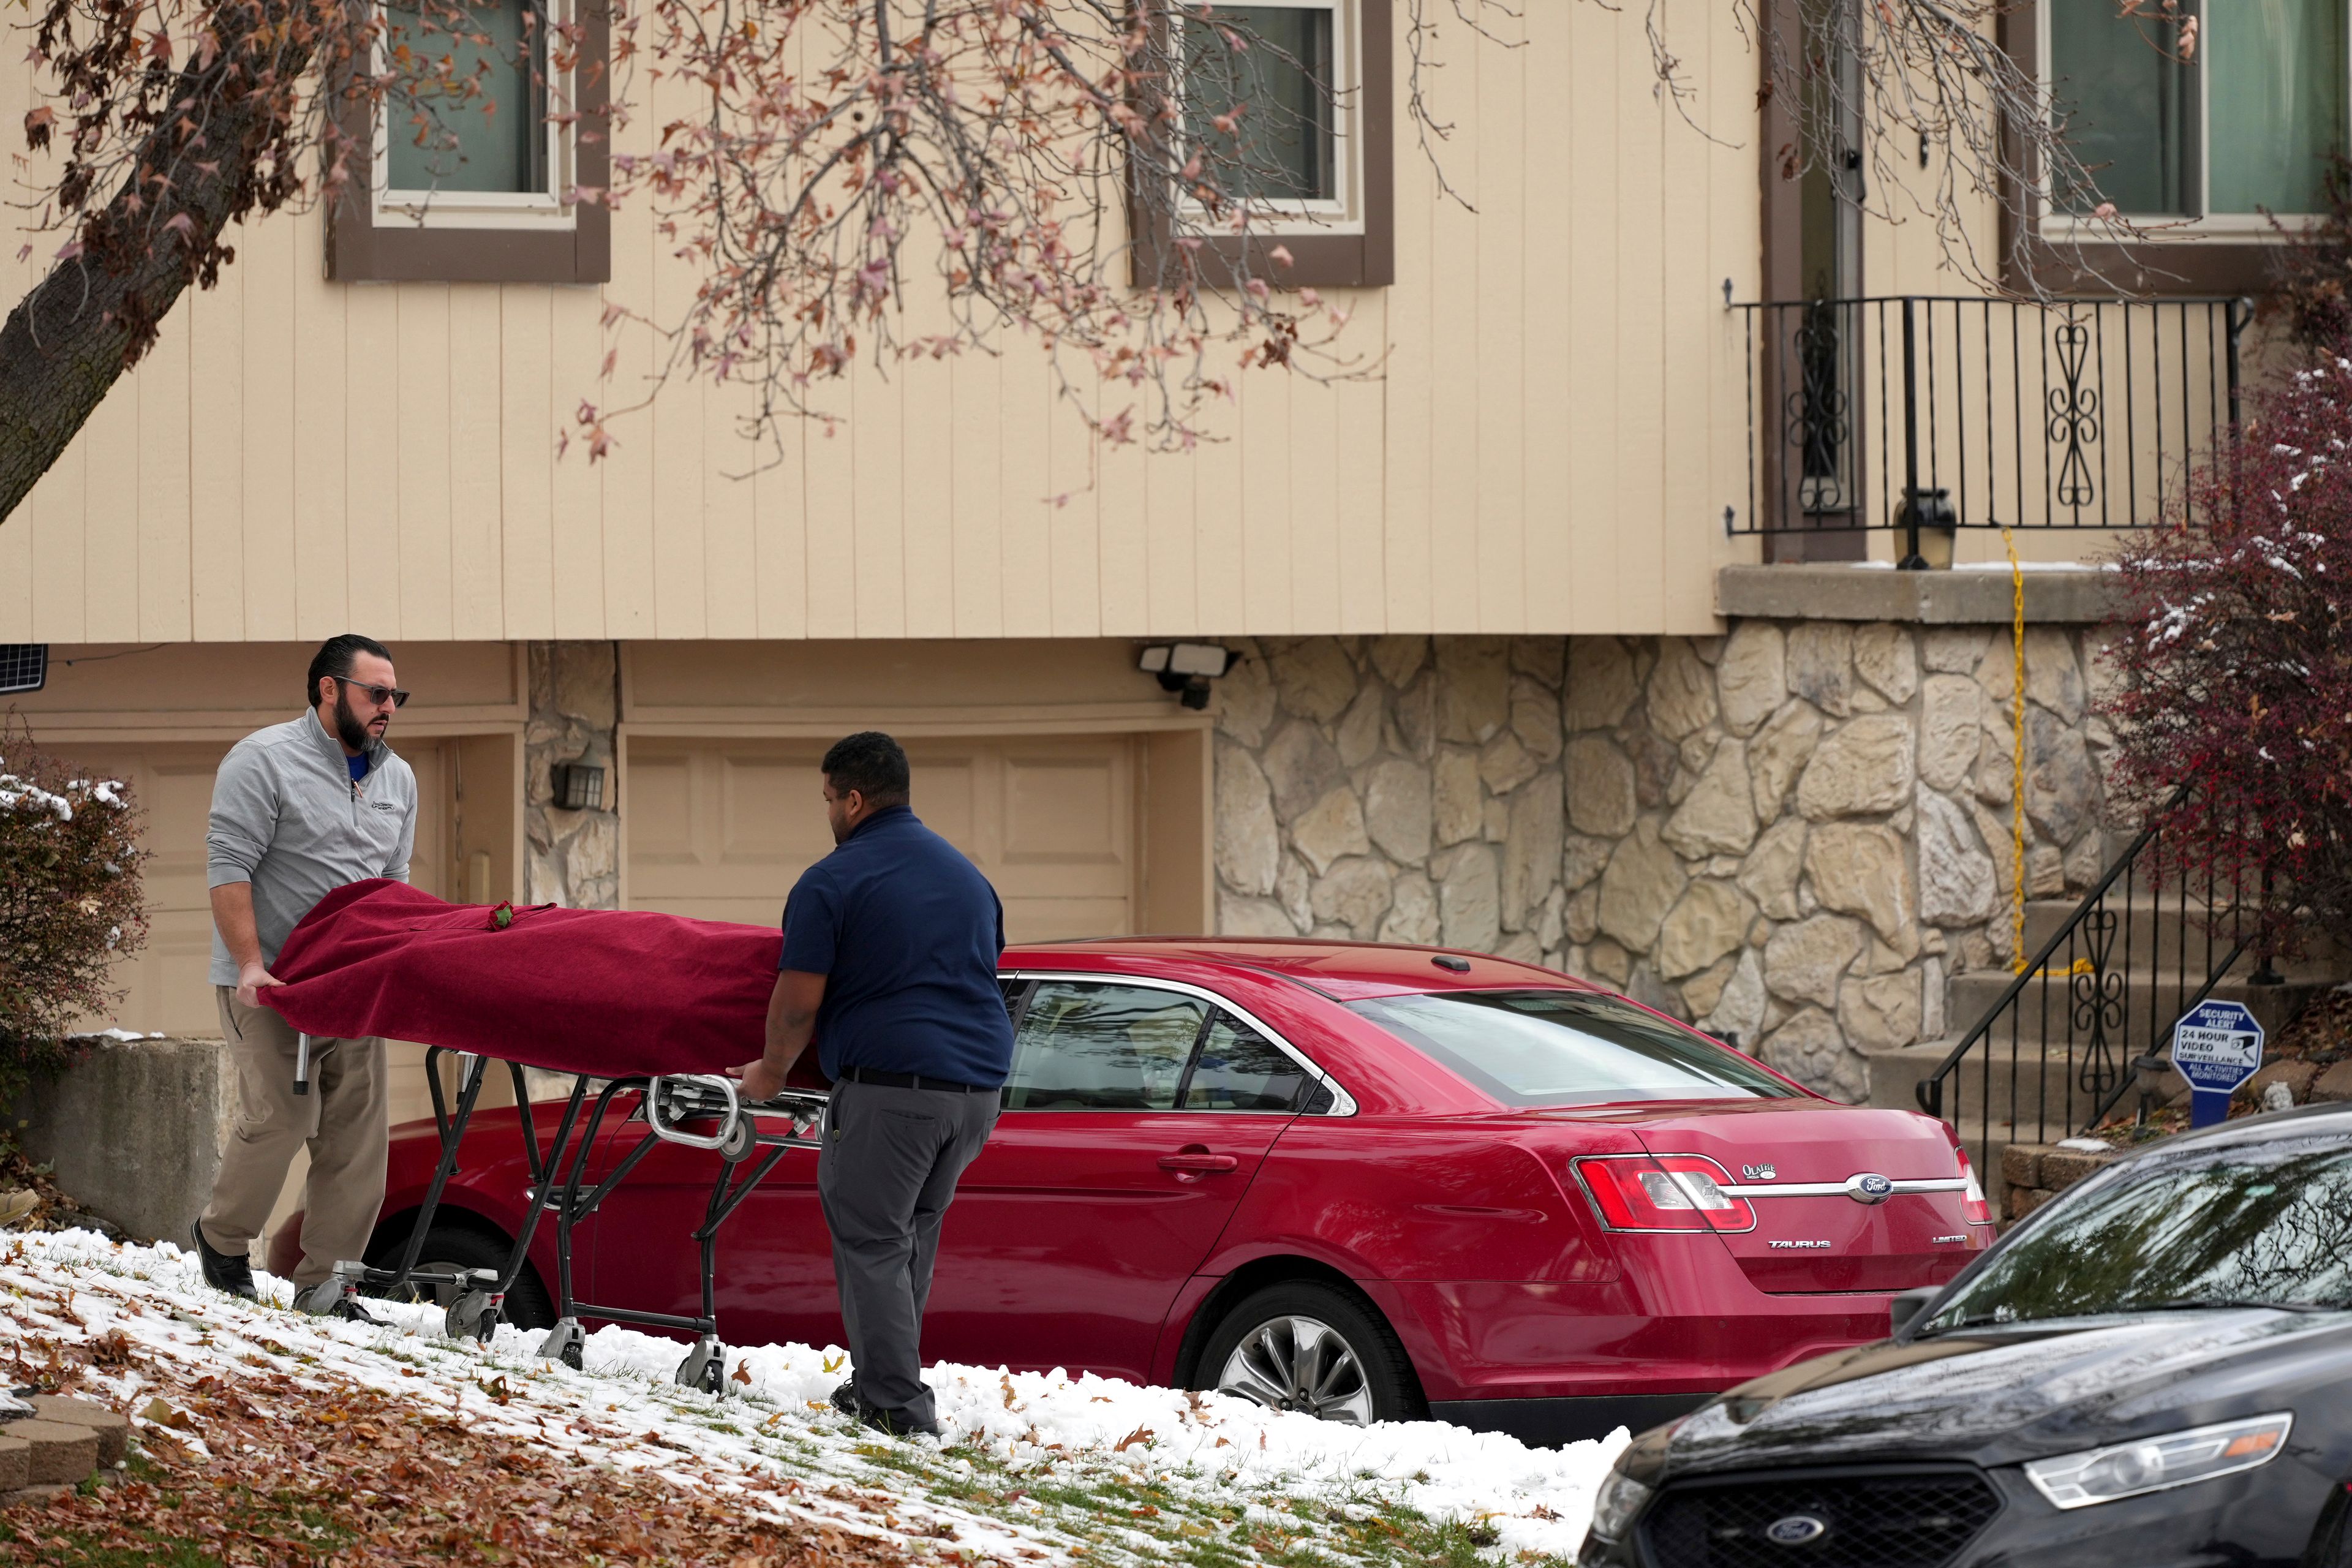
287, 818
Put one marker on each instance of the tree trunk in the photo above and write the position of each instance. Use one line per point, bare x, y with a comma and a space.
92, 317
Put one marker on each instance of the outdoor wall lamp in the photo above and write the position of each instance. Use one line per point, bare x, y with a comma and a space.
579, 786
1186, 668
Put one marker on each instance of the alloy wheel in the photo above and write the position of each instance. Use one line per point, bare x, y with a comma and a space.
1294, 1363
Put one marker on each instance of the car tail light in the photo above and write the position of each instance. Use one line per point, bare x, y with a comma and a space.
1972, 1197
1663, 1192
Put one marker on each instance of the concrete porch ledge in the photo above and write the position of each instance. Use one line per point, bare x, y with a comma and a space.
1971, 595
132, 1130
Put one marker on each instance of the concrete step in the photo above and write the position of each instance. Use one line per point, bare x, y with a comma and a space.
2149, 1003
2153, 930
2045, 1093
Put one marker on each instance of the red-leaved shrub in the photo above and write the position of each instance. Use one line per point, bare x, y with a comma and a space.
2235, 653
69, 901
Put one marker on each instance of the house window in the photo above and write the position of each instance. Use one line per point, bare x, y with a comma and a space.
1286, 105
2241, 125
473, 124
1262, 104
493, 127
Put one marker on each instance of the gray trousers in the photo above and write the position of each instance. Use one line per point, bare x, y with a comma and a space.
885, 1174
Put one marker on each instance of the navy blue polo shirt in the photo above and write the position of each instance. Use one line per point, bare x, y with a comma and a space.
906, 933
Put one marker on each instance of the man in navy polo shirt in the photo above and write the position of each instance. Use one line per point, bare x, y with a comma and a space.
890, 950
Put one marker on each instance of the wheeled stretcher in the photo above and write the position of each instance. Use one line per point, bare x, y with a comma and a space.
635, 989
671, 1106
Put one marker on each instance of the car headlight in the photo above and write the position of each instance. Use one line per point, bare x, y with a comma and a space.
1621, 1499
2151, 1464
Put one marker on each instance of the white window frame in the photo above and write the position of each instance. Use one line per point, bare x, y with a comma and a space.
1345, 213
2064, 227
486, 209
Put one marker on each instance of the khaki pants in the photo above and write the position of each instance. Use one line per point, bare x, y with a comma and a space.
343, 1119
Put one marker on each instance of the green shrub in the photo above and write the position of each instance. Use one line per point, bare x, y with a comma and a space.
69, 901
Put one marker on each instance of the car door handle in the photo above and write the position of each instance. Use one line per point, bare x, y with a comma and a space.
1198, 1159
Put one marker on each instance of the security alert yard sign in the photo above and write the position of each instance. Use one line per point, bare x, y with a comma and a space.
2217, 1047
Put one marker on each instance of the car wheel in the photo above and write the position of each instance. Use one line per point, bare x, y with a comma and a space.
1314, 1349
453, 1246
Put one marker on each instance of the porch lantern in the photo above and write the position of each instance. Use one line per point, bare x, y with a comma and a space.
579, 785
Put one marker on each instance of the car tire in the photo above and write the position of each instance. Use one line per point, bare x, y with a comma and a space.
448, 1246
1303, 1345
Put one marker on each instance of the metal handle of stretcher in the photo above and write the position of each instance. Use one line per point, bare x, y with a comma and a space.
658, 1097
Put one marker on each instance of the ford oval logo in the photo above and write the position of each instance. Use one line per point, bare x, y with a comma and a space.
1869, 1187
1796, 1530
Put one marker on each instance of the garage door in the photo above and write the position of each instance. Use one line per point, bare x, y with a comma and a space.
721, 829
167, 986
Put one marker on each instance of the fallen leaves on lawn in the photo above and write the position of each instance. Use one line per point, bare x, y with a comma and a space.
317, 1471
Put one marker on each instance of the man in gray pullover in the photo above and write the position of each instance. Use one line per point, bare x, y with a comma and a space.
298, 810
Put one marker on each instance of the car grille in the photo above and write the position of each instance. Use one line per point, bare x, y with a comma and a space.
1887, 1518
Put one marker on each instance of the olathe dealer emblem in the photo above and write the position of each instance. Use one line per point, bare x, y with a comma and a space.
1796, 1530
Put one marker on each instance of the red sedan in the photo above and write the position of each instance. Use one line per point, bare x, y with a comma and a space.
1366, 1182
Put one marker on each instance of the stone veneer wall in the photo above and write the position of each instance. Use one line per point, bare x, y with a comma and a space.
575, 856
1793, 835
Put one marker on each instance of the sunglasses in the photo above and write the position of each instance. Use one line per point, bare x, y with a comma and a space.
379, 695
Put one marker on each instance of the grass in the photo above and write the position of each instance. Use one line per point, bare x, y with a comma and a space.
1108, 1510
1131, 1520
282, 1519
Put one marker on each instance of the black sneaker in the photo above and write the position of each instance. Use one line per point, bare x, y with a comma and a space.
895, 1423
222, 1271
845, 1397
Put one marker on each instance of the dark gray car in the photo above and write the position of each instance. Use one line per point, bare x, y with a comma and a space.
2154, 1371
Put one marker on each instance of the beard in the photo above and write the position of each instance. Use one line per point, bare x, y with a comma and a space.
348, 728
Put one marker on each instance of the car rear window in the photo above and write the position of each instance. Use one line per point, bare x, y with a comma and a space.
1567, 1047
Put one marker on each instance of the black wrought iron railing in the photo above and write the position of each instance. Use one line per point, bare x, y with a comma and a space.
2095, 1002
1928, 414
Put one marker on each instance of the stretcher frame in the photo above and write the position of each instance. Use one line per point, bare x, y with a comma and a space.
474, 1299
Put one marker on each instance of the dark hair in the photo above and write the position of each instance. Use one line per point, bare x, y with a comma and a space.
336, 657
870, 763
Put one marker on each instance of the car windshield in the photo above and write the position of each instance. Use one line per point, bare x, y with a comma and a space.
1568, 1047
2269, 1225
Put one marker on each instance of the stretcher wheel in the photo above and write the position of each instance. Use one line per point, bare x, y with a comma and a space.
474, 1315
705, 1366
563, 1344
736, 1143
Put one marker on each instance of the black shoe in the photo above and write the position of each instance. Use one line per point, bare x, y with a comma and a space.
845, 1397
222, 1271
895, 1423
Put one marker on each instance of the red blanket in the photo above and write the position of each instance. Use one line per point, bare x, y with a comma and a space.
606, 991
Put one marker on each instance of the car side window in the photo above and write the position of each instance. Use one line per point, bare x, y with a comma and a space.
1088, 1046
1240, 1069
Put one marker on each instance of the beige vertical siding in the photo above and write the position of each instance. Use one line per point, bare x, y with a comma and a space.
1555, 427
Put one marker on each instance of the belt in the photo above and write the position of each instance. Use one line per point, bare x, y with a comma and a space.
909, 1080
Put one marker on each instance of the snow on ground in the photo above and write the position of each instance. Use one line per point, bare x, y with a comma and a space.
1103, 1443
